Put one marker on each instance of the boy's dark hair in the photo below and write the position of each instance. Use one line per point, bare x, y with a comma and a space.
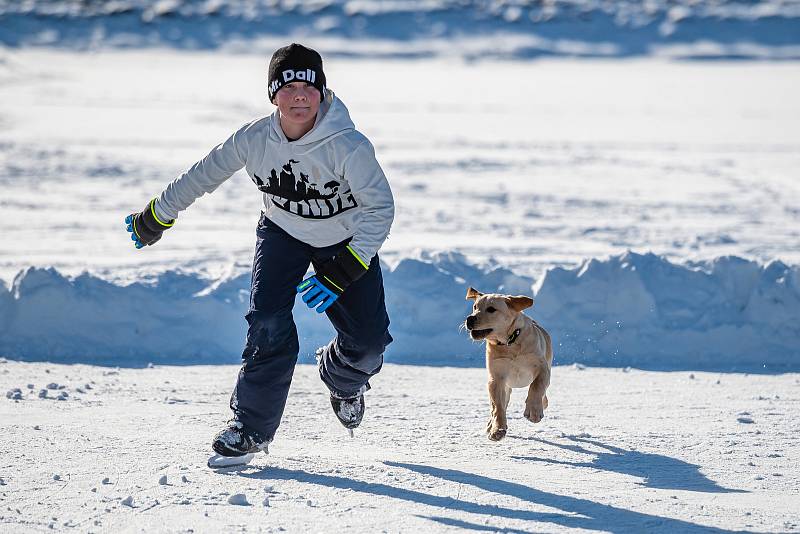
295, 63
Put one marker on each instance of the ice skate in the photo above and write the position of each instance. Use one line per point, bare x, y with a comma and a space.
349, 410
217, 461
235, 446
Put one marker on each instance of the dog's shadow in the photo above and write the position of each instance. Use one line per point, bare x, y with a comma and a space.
658, 471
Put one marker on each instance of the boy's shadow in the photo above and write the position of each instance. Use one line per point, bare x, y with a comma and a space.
658, 471
571, 512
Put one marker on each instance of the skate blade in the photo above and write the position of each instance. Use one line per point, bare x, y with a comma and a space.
218, 461
350, 431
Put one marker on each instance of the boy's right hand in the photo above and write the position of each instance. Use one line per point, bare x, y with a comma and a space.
331, 279
145, 227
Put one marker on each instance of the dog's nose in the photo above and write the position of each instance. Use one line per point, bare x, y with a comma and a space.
470, 322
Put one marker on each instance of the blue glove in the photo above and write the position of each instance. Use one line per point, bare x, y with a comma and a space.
317, 295
145, 227
332, 278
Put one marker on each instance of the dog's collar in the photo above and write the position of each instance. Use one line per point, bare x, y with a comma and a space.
513, 337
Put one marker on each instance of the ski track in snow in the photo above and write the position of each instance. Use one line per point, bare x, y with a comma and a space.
619, 450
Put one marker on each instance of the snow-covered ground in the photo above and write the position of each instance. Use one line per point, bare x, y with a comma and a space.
652, 207
618, 451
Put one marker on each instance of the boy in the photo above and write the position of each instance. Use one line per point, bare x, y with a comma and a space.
326, 203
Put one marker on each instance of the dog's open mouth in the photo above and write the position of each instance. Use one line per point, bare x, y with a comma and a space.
479, 334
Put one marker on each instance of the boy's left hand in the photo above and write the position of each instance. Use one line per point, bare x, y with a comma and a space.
145, 227
332, 278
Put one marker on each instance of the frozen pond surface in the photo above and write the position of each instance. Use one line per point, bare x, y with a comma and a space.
533, 164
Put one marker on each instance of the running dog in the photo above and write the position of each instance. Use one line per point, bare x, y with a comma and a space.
519, 354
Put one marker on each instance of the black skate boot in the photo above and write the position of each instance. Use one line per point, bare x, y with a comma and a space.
234, 440
349, 410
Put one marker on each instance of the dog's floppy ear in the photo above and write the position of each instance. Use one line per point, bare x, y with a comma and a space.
473, 293
519, 302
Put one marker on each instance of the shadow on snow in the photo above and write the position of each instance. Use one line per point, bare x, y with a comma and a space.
574, 512
658, 471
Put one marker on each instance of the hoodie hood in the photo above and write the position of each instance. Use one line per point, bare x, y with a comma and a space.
333, 120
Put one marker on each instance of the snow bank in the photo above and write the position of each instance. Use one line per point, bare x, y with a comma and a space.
180, 317
480, 29
641, 310
637, 310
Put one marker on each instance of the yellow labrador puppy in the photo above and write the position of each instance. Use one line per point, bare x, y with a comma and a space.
519, 354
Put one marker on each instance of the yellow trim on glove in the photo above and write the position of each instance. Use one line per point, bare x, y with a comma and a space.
153, 211
353, 252
333, 283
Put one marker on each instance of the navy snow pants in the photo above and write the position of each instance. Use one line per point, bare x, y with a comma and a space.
348, 361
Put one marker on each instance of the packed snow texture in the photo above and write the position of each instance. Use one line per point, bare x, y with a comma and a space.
637, 310
472, 29
623, 451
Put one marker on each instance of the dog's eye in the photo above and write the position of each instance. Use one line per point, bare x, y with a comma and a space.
490, 309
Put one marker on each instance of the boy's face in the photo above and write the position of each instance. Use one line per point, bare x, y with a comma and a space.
298, 102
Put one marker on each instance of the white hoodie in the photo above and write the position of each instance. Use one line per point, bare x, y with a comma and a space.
321, 189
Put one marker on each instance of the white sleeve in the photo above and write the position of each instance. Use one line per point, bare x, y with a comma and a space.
371, 190
204, 176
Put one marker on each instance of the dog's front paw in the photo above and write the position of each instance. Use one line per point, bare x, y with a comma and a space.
498, 434
495, 431
534, 413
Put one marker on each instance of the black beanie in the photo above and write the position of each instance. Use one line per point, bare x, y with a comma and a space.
295, 63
